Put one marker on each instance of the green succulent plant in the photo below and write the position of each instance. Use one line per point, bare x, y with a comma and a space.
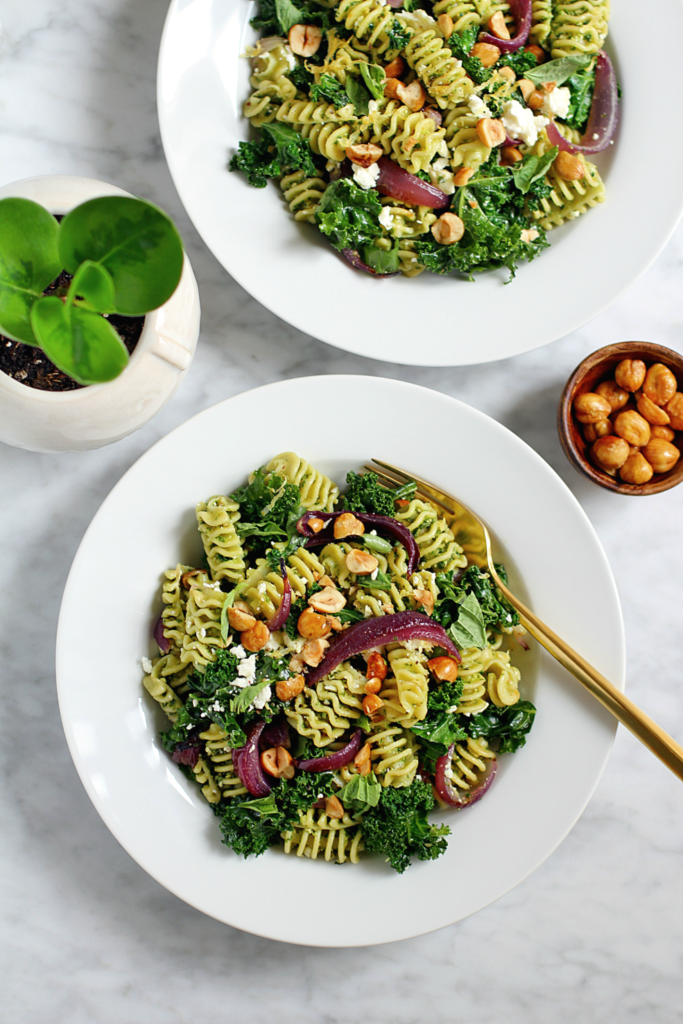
125, 256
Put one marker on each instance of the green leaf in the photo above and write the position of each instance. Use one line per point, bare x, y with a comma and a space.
509, 725
469, 630
288, 14
80, 343
134, 241
558, 71
531, 168
440, 727
380, 582
260, 530
358, 94
361, 793
244, 698
349, 215
29, 262
94, 284
382, 261
581, 88
374, 77
330, 89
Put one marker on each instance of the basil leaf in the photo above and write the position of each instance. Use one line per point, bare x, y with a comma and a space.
358, 94
288, 14
469, 630
244, 698
374, 78
382, 261
557, 71
380, 582
361, 793
531, 168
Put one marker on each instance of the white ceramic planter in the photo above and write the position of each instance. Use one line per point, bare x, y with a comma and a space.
91, 417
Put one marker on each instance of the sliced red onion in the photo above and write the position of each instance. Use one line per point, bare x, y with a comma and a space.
436, 115
248, 764
162, 640
602, 120
336, 760
375, 632
383, 524
187, 755
408, 188
282, 614
275, 735
448, 792
522, 12
354, 259
511, 142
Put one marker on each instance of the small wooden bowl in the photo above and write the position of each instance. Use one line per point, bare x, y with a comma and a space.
588, 374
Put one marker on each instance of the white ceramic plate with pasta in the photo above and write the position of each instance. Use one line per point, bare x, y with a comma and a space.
112, 599
429, 320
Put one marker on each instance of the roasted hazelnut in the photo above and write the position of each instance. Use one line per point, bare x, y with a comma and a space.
610, 452
569, 166
633, 428
487, 53
616, 396
636, 470
630, 374
448, 229
445, 23
661, 454
444, 668
286, 689
491, 132
674, 408
255, 638
591, 408
664, 432
498, 27
654, 414
346, 525
377, 666
592, 431
305, 40
329, 600
537, 51
659, 384
312, 625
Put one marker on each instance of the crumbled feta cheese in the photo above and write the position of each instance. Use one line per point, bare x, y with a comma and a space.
262, 698
239, 651
595, 136
366, 177
147, 666
477, 106
373, 574
247, 668
201, 633
451, 711
448, 771
386, 219
556, 103
520, 123
262, 587
373, 107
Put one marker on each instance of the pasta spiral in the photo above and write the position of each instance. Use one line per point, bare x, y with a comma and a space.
394, 755
329, 131
206, 780
317, 490
337, 839
569, 199
323, 714
302, 194
578, 27
438, 548
464, 145
411, 138
412, 679
163, 694
408, 221
203, 621
469, 762
369, 20
442, 75
174, 598
217, 519
264, 588
220, 755
541, 19
270, 84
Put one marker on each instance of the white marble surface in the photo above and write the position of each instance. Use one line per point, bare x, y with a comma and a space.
594, 935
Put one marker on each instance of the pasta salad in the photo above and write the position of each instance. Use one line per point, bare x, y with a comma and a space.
448, 136
335, 668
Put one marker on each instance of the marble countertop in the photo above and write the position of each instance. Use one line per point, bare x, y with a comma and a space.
595, 934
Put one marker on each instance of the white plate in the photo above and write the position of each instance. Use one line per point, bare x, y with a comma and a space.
112, 600
430, 320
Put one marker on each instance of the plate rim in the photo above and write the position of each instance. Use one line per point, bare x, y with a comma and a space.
65, 611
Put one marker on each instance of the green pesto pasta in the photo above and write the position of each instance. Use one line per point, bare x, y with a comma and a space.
324, 761
410, 148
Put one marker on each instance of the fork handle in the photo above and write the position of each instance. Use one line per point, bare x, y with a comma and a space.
623, 709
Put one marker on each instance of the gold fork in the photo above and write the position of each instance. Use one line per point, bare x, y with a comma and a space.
474, 537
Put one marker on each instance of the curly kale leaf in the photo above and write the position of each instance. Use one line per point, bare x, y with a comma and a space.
510, 726
365, 494
461, 44
496, 609
279, 149
398, 35
398, 827
581, 87
266, 19
219, 674
349, 215
272, 506
520, 61
492, 210
445, 696
331, 90
249, 826
301, 77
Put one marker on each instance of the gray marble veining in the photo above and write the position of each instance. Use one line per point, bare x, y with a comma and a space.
88, 938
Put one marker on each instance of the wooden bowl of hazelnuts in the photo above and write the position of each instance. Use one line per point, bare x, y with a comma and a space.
620, 418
